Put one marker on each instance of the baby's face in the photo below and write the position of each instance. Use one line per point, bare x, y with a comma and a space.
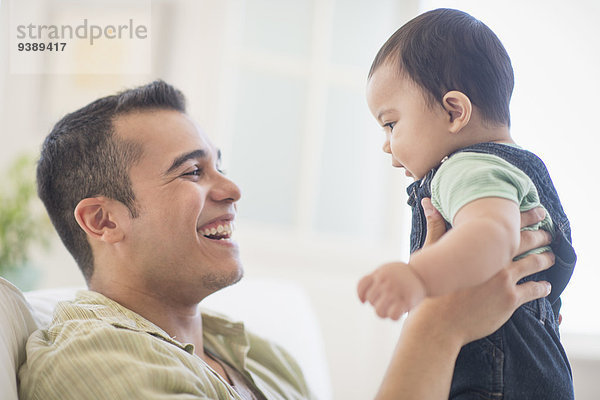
416, 134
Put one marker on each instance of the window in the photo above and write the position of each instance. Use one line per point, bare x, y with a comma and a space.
303, 145
307, 153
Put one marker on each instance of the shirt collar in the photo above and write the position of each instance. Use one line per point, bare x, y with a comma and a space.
218, 331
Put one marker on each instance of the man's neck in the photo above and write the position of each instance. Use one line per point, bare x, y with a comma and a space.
182, 322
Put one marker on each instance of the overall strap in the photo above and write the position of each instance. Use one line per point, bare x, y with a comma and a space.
533, 167
560, 273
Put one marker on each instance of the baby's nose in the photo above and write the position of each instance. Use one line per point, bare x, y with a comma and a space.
386, 147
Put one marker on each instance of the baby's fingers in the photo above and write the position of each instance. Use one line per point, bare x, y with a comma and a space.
396, 311
383, 306
363, 287
390, 306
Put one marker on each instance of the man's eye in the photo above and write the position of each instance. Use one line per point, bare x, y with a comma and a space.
389, 125
196, 172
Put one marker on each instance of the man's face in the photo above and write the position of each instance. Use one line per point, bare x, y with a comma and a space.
180, 242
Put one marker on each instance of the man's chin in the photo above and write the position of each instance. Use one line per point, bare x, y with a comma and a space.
215, 282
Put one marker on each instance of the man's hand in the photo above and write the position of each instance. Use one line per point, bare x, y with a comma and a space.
432, 335
493, 302
392, 289
436, 226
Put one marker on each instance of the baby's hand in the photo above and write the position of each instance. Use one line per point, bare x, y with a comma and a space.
393, 289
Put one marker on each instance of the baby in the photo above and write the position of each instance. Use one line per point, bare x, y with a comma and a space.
441, 87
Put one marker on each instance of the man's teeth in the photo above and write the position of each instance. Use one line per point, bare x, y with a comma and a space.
221, 230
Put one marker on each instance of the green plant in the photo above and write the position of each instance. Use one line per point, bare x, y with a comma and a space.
23, 220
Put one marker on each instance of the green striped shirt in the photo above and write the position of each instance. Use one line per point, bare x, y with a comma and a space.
97, 349
469, 176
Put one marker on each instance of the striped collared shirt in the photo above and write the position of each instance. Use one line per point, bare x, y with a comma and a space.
97, 349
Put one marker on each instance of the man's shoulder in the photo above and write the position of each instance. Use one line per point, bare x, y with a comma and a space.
88, 314
92, 347
78, 329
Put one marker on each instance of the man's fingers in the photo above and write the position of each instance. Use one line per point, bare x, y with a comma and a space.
532, 216
529, 291
531, 264
533, 239
436, 226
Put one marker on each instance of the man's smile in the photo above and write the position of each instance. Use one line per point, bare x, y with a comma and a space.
220, 228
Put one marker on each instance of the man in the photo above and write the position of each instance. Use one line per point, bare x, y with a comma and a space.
134, 189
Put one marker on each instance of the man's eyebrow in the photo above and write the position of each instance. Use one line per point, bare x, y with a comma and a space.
196, 154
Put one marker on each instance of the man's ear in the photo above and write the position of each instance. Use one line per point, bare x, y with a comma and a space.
102, 218
459, 109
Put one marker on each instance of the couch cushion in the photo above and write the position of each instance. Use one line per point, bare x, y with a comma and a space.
17, 323
44, 301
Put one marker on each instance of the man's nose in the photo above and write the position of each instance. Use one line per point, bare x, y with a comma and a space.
225, 189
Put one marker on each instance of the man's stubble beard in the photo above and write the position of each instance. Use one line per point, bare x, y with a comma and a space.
215, 282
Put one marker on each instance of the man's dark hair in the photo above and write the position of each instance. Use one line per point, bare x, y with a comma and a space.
444, 50
82, 157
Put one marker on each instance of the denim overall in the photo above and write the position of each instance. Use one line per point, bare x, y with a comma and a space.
524, 358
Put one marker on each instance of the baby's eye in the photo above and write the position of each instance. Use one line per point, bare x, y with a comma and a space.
389, 125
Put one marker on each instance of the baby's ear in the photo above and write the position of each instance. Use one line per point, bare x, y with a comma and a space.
459, 109
102, 218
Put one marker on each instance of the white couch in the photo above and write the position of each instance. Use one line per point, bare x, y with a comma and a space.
276, 309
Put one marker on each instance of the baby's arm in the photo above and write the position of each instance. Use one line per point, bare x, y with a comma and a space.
484, 238
446, 323
480, 194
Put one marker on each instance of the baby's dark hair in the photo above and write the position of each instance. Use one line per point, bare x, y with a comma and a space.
444, 50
